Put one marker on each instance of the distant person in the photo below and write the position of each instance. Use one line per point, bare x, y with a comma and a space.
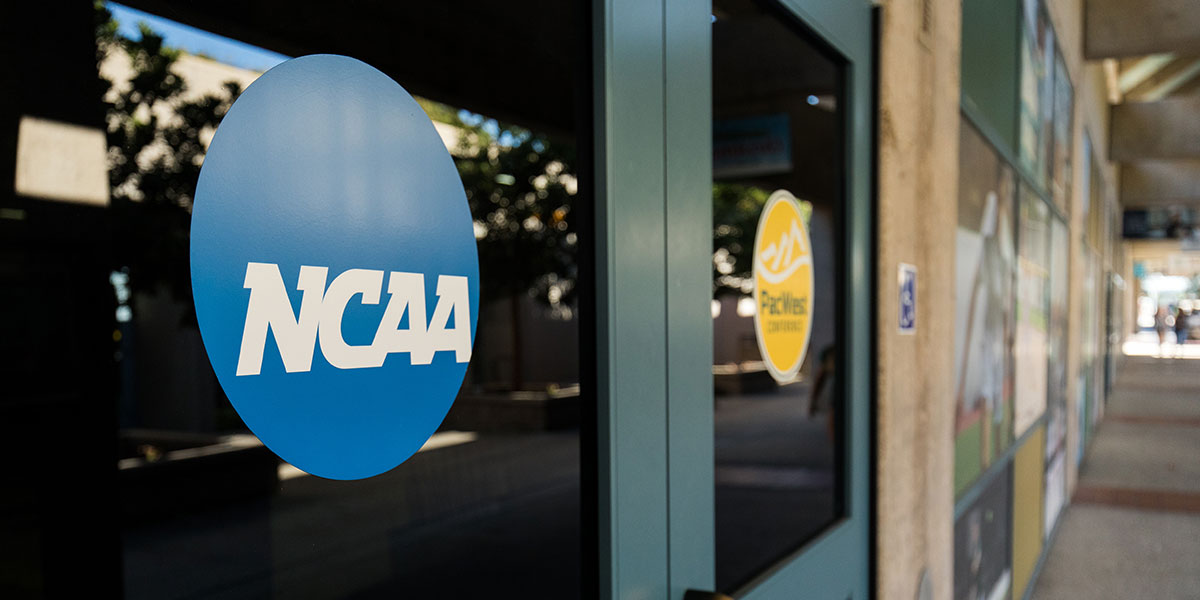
1175, 227
1182, 316
1160, 327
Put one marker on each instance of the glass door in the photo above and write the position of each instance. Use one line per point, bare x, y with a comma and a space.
132, 471
769, 447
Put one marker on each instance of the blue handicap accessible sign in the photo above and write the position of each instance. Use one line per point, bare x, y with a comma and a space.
908, 298
334, 267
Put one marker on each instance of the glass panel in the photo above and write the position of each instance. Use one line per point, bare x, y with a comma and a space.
983, 542
1089, 343
1085, 179
992, 66
1056, 407
777, 216
491, 504
1037, 104
1064, 138
1028, 471
984, 323
1032, 310
1097, 210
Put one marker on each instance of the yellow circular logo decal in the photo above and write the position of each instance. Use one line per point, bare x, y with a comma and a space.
783, 286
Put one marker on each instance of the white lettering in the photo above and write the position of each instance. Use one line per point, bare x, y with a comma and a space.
408, 292
452, 298
270, 307
333, 306
322, 310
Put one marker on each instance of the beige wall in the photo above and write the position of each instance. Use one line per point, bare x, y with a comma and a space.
919, 91
918, 208
1091, 115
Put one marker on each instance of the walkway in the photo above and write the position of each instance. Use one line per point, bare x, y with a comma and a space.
1133, 528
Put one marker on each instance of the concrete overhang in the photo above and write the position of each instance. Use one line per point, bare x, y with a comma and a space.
1154, 183
1156, 130
1120, 28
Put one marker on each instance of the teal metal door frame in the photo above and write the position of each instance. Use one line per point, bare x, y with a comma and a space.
631, 327
652, 120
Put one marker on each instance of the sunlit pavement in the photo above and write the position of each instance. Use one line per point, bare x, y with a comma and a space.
1133, 528
1146, 344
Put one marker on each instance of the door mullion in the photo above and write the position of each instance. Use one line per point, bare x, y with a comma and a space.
631, 292
688, 120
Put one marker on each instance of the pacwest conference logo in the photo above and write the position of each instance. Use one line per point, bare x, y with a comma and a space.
334, 267
783, 286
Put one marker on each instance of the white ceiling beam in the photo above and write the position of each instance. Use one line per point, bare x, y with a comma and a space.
1143, 69
1172, 83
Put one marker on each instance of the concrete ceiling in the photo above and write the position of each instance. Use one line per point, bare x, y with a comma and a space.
1153, 47
1130, 28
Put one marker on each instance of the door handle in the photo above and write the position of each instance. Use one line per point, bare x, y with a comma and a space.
699, 595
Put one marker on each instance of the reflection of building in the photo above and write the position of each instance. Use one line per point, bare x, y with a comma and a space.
166, 369
636, 474
202, 76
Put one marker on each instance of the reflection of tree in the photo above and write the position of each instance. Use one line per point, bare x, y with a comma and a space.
736, 209
520, 187
154, 157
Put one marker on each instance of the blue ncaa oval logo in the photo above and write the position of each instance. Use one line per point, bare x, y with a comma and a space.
334, 267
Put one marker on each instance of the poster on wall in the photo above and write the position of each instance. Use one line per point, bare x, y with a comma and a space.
1056, 399
1056, 478
1080, 416
1087, 356
1028, 498
1037, 51
984, 323
1032, 311
983, 544
1046, 97
1100, 364
1064, 106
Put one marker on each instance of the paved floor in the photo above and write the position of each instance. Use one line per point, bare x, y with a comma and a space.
1133, 528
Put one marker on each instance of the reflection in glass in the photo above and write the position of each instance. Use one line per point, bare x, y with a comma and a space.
1056, 402
491, 503
984, 324
1064, 135
1037, 89
776, 126
983, 542
1033, 297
